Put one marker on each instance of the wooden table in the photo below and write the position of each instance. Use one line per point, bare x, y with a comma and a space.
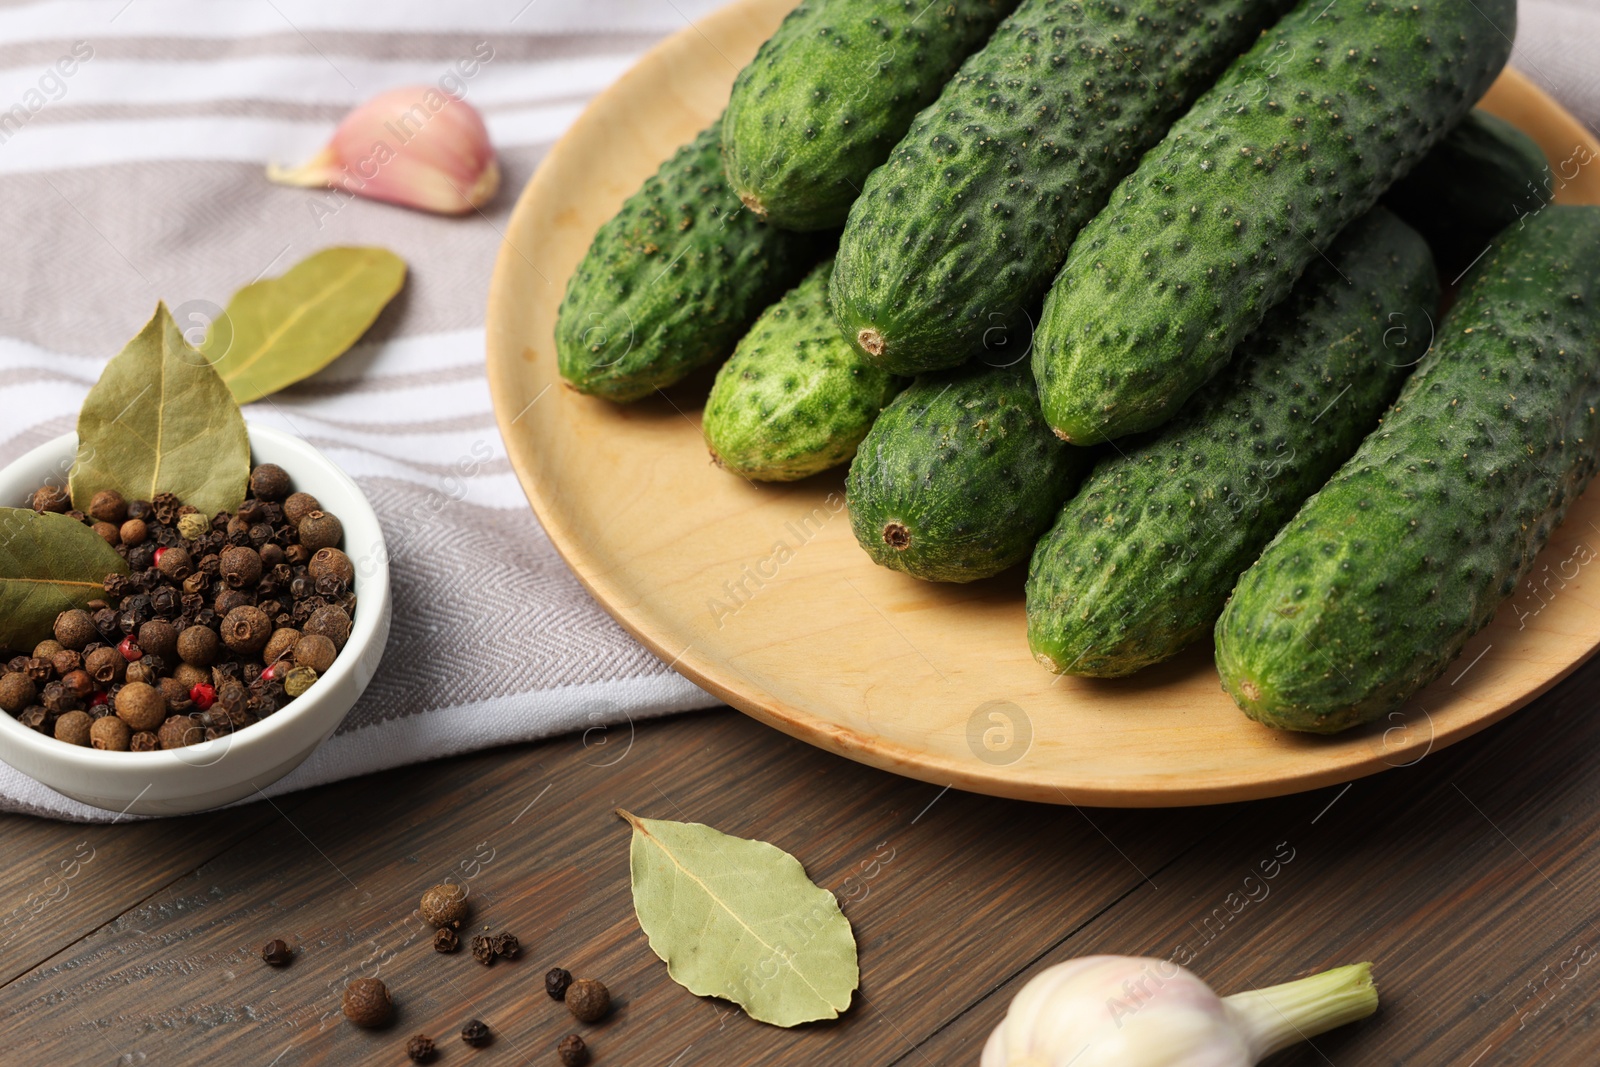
1469, 879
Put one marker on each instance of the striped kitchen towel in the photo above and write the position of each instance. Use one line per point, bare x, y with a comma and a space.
138, 177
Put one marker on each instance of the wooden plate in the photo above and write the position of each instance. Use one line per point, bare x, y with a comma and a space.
760, 595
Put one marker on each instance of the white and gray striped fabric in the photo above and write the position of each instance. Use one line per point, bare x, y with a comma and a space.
138, 177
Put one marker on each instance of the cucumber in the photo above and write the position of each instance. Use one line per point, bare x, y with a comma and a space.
673, 280
796, 398
1484, 176
955, 239
1143, 557
830, 93
1373, 587
1297, 139
959, 475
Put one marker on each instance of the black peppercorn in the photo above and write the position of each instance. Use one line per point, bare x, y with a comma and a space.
588, 1000
572, 1051
445, 940
165, 601
143, 741
475, 1034
556, 981
367, 1002
51, 498
507, 947
33, 718
65, 661
276, 952
483, 949
420, 1049
58, 699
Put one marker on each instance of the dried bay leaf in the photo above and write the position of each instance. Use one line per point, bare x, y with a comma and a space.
48, 564
160, 420
739, 919
278, 331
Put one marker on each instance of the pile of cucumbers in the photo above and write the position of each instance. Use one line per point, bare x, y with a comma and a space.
1146, 294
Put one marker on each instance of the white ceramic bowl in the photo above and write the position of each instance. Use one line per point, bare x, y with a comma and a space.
230, 768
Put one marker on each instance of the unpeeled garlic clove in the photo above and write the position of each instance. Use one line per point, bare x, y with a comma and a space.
416, 146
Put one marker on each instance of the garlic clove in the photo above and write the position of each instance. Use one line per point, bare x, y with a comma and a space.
416, 146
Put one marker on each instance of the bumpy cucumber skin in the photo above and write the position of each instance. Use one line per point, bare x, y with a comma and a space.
1371, 590
956, 237
794, 399
1144, 555
959, 475
673, 280
1297, 139
1485, 175
830, 93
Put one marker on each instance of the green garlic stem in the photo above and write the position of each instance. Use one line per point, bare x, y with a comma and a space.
1278, 1016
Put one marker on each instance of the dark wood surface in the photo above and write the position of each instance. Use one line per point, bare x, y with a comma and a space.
1469, 879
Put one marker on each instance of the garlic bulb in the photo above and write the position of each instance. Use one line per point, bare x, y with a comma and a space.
418, 147
1123, 1011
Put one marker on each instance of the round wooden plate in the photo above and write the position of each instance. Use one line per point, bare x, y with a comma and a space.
760, 595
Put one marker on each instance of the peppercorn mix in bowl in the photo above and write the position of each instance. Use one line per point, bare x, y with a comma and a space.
211, 671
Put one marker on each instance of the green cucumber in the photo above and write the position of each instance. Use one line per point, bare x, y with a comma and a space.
830, 93
1484, 176
1144, 555
795, 399
955, 239
673, 280
1296, 140
1374, 586
959, 475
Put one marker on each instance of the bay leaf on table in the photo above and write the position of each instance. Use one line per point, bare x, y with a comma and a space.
48, 564
277, 331
739, 919
160, 420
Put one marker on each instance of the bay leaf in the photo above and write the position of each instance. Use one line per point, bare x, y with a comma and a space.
160, 420
739, 919
48, 564
278, 331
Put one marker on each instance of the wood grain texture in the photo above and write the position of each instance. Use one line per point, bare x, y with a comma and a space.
760, 594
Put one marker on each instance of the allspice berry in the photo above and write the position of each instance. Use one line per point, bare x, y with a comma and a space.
65, 661
141, 706
367, 1003
572, 1052
246, 629
331, 563
46, 649
17, 691
189, 675
240, 566
175, 562
140, 670
444, 905
51, 498
269, 482
159, 637
75, 628
109, 533
108, 506
133, 532
106, 665
229, 599
178, 731
314, 651
73, 728
297, 506
176, 694
110, 734
588, 1000
280, 645
331, 622
198, 645
319, 530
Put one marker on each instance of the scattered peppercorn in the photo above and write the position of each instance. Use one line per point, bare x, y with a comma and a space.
588, 1000
507, 947
73, 728
556, 981
144, 741
276, 952
572, 1051
475, 1033
420, 1049
445, 940
367, 1002
483, 949
444, 905
110, 734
